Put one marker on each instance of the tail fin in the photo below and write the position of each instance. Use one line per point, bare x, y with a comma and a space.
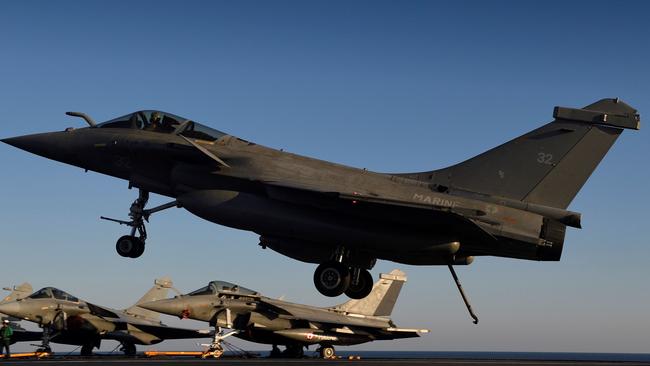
18, 292
382, 298
547, 166
157, 292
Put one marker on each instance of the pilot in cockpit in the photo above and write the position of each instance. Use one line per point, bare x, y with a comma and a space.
154, 122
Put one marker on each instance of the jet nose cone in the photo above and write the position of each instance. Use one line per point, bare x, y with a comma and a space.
11, 309
21, 142
167, 306
52, 145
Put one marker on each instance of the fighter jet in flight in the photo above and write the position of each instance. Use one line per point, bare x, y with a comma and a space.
66, 319
510, 201
20, 334
257, 318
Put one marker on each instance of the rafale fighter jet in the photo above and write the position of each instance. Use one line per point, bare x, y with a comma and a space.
20, 334
66, 319
260, 319
510, 201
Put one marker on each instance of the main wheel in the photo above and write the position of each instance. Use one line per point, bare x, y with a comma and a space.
332, 278
275, 352
327, 352
129, 349
129, 246
294, 351
87, 350
363, 286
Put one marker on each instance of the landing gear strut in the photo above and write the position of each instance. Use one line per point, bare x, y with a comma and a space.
128, 349
215, 349
44, 347
336, 277
131, 245
87, 349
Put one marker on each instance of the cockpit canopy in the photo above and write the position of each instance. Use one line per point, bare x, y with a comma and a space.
51, 292
217, 287
163, 122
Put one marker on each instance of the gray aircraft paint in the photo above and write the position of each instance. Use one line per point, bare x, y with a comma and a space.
265, 320
510, 201
74, 321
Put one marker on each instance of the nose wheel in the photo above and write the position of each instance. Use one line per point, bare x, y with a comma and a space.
132, 246
129, 246
215, 349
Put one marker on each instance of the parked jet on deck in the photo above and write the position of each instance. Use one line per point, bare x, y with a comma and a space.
66, 319
257, 318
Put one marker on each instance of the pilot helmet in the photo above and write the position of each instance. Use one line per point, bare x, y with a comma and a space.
155, 117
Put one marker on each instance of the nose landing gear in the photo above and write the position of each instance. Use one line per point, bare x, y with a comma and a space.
132, 246
215, 349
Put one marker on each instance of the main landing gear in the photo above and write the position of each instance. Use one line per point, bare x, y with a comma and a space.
131, 245
334, 278
327, 352
87, 349
129, 349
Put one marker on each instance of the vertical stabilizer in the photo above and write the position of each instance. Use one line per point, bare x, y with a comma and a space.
546, 166
157, 292
18, 292
382, 298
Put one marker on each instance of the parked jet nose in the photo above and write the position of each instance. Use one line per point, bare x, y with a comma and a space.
167, 306
11, 309
53, 145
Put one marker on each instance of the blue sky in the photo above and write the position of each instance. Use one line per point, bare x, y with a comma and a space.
386, 85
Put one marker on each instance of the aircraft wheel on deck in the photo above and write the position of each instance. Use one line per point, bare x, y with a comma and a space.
129, 246
275, 352
87, 350
213, 352
294, 351
128, 349
362, 287
332, 278
327, 352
